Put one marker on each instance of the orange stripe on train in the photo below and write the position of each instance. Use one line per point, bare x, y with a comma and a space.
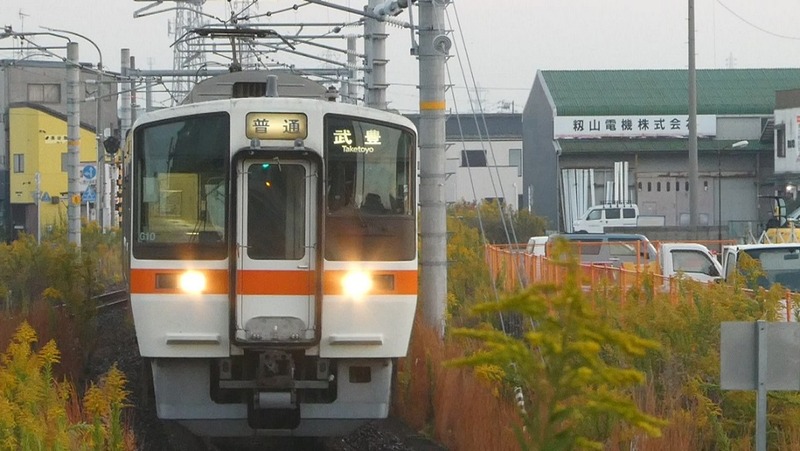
253, 282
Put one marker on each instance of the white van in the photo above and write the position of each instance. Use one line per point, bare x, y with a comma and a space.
614, 249
598, 217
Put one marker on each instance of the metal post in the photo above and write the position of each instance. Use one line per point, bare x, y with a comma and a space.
433, 48
100, 196
761, 386
133, 92
73, 144
352, 60
38, 178
719, 200
694, 180
148, 95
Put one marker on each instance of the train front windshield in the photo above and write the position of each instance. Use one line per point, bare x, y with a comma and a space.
370, 191
180, 188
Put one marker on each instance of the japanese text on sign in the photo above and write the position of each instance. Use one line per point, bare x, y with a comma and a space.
344, 138
631, 126
276, 126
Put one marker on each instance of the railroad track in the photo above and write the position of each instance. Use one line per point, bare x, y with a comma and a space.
110, 299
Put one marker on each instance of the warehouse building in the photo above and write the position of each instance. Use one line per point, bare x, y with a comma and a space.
615, 136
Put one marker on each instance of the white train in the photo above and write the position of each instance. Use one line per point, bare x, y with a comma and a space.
272, 257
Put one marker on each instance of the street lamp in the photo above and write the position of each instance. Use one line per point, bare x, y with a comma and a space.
736, 145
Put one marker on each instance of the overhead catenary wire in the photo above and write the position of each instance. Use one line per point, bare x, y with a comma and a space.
519, 397
481, 226
508, 226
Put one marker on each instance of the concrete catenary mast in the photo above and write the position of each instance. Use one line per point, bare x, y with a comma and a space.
73, 144
434, 46
375, 52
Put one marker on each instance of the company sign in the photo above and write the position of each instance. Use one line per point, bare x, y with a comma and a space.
633, 126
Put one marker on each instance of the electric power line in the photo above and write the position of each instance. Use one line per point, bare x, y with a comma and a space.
764, 30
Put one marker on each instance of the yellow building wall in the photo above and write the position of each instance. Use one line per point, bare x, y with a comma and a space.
42, 138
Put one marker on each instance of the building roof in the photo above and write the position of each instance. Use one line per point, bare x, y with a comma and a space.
46, 110
500, 126
622, 92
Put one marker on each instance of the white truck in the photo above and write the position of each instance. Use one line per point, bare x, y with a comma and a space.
691, 260
780, 263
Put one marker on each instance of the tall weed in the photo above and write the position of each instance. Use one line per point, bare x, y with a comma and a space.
679, 381
39, 412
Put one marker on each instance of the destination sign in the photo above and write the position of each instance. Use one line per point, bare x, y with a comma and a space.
344, 137
272, 126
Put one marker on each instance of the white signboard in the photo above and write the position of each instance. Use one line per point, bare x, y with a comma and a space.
634, 126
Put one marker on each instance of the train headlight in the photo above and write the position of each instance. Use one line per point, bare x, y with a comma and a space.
192, 282
357, 283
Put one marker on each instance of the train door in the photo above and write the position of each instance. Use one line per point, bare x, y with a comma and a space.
276, 252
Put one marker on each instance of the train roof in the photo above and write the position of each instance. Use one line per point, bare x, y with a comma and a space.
253, 83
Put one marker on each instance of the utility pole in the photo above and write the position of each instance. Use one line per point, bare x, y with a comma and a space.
434, 46
694, 180
73, 144
375, 52
125, 105
100, 185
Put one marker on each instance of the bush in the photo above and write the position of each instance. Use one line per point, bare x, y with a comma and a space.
572, 367
576, 336
38, 412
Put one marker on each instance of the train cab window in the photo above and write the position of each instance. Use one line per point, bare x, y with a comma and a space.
369, 196
276, 221
180, 188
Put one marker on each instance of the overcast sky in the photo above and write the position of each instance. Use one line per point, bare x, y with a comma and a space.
500, 44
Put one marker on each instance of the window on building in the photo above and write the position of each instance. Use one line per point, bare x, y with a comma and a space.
669, 186
686, 185
649, 186
780, 141
658, 186
64, 162
677, 186
515, 159
473, 158
19, 162
44, 93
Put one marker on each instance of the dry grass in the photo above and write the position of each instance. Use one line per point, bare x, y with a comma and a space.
109, 425
50, 323
451, 405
